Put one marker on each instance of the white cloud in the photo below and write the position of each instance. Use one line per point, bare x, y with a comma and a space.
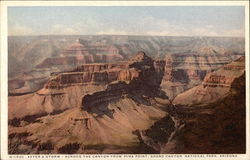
147, 25
112, 32
20, 30
204, 31
235, 33
213, 31
61, 29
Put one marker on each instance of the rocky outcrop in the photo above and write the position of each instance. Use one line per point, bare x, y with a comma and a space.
215, 85
80, 78
78, 53
100, 67
120, 108
45, 54
61, 59
141, 80
74, 61
105, 117
217, 126
106, 73
183, 72
76, 48
69, 87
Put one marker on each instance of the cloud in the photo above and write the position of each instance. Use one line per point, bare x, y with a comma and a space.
204, 31
112, 32
20, 30
235, 33
85, 26
146, 25
62, 29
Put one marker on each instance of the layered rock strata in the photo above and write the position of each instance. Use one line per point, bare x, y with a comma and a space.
205, 126
46, 54
214, 86
183, 72
218, 127
105, 117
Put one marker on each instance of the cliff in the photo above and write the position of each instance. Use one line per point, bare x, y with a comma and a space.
106, 117
215, 126
185, 71
215, 85
38, 56
65, 89
218, 127
120, 108
106, 73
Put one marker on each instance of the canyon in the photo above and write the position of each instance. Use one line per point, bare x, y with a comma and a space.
122, 102
32, 59
85, 100
205, 124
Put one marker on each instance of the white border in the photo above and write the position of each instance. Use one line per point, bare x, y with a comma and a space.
4, 70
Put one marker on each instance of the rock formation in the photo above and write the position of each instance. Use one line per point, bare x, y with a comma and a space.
214, 126
96, 96
217, 128
215, 85
183, 72
37, 57
106, 116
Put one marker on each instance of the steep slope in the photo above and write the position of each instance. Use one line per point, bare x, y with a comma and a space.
55, 60
185, 71
39, 56
105, 120
216, 126
215, 85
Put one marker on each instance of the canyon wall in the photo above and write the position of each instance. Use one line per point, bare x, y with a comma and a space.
98, 95
218, 127
122, 108
183, 72
39, 56
201, 125
106, 117
65, 89
214, 86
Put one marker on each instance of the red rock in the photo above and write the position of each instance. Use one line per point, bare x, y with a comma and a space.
103, 73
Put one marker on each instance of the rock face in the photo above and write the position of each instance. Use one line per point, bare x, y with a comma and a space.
107, 116
183, 72
130, 114
94, 74
215, 85
214, 126
217, 127
38, 57
78, 53
140, 66
135, 105
67, 59
140, 86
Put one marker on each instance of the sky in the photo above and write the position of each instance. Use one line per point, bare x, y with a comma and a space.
127, 20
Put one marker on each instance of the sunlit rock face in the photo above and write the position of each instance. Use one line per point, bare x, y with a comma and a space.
214, 86
95, 107
183, 72
100, 95
33, 59
207, 119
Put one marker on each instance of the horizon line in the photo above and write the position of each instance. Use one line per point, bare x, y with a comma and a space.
125, 35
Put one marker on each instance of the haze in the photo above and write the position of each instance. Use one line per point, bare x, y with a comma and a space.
127, 20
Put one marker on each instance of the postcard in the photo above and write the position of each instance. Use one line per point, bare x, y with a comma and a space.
125, 80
